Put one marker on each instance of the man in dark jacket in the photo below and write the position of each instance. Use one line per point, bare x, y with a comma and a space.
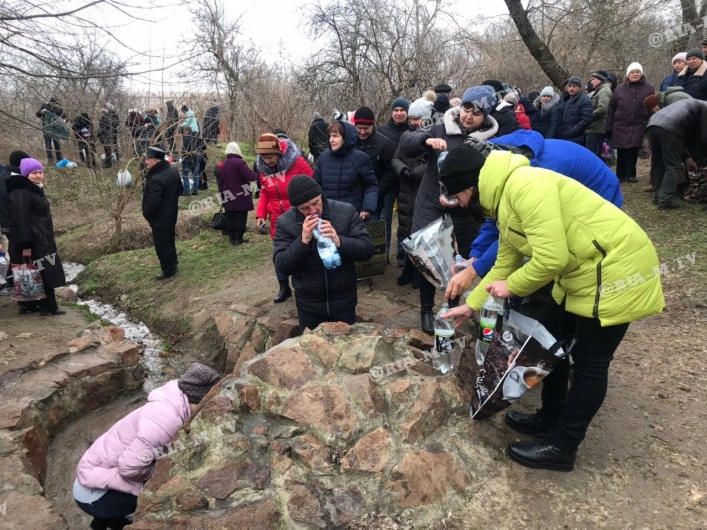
172, 122
673, 131
52, 116
318, 137
108, 134
693, 78
321, 294
5, 213
576, 113
193, 151
503, 113
160, 202
83, 131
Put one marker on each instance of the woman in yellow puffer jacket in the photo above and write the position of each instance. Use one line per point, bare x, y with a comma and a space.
606, 274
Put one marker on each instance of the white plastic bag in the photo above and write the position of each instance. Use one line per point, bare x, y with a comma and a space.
432, 251
124, 178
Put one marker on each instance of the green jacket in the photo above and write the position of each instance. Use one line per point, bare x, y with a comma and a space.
600, 102
53, 126
671, 95
603, 263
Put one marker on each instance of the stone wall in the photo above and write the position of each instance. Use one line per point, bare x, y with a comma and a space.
39, 400
306, 438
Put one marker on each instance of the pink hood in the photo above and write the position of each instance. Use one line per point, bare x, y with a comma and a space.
114, 460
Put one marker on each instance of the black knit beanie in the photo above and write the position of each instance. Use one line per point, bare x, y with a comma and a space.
16, 157
460, 169
364, 116
695, 52
302, 189
197, 381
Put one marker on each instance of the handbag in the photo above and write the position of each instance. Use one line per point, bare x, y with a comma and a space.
521, 354
27, 282
219, 221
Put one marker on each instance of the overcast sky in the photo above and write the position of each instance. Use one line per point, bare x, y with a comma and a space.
276, 28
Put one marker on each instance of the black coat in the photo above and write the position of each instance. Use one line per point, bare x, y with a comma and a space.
380, 150
346, 175
318, 137
686, 119
320, 290
530, 110
409, 171
160, 197
32, 228
5, 213
576, 114
105, 128
548, 117
506, 119
427, 207
393, 131
694, 83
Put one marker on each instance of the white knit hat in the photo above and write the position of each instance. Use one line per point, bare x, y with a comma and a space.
233, 149
421, 108
634, 66
547, 91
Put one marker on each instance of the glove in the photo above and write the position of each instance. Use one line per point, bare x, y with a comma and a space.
406, 174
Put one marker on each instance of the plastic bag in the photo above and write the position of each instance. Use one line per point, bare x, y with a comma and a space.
28, 285
124, 178
522, 353
432, 251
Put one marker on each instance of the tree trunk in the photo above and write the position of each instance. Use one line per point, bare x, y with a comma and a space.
535, 45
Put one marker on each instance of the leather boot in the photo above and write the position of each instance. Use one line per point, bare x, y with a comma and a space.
284, 293
542, 455
530, 424
427, 302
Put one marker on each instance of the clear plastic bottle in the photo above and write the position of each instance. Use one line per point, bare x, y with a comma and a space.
326, 248
487, 325
444, 341
459, 264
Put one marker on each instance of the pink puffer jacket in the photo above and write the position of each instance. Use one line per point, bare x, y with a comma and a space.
114, 460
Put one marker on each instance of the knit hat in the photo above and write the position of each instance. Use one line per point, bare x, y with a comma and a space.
695, 52
268, 144
493, 83
704, 42
637, 66
316, 116
481, 97
28, 165
574, 80
651, 101
280, 133
511, 98
442, 88
365, 116
400, 102
337, 115
233, 149
197, 382
682, 56
302, 189
155, 152
460, 169
421, 108
441, 103
601, 75
547, 91
16, 157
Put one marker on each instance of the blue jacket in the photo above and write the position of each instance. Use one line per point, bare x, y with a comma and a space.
576, 114
346, 175
668, 81
566, 158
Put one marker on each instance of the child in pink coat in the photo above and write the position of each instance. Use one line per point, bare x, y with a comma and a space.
113, 472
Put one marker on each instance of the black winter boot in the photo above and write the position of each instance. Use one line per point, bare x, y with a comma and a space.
427, 302
284, 293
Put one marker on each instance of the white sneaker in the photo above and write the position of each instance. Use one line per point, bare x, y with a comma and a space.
5, 291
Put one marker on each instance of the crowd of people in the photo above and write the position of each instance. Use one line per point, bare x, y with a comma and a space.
525, 179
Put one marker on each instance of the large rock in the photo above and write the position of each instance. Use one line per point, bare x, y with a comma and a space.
220, 483
285, 367
323, 407
371, 453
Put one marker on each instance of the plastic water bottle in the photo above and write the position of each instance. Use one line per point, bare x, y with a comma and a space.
444, 341
459, 264
4, 265
326, 248
487, 325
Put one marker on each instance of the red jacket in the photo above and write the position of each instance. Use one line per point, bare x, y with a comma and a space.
522, 118
274, 200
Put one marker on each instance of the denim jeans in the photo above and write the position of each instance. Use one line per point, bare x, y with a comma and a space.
188, 167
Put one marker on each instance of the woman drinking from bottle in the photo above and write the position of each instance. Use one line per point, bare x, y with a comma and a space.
605, 273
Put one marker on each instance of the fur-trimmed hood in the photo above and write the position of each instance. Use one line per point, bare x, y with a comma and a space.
285, 162
546, 107
452, 126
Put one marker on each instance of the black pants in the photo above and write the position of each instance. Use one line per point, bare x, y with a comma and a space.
592, 354
312, 320
595, 143
666, 161
171, 138
87, 152
626, 160
165, 248
110, 510
48, 145
236, 224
